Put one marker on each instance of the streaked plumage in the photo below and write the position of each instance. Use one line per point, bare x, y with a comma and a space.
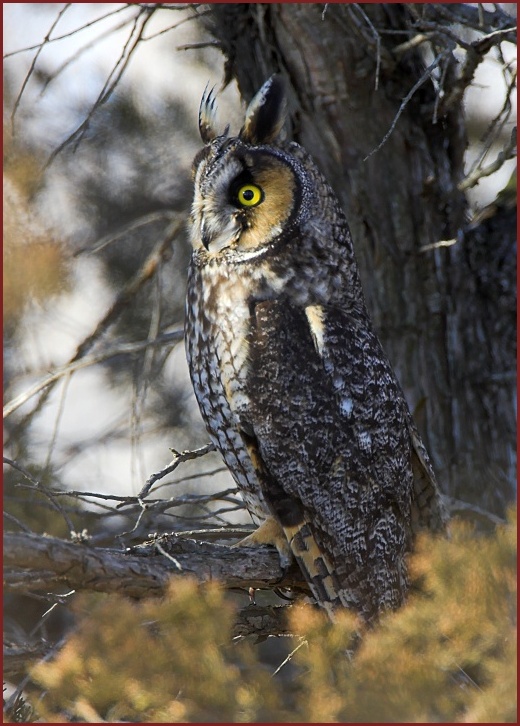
290, 377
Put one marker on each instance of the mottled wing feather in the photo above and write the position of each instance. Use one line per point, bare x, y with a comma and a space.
321, 406
428, 510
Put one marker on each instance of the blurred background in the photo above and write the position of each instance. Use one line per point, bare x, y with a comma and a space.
80, 222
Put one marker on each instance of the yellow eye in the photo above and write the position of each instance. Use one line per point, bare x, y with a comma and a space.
249, 195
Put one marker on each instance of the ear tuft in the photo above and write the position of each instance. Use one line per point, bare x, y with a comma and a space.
266, 113
207, 116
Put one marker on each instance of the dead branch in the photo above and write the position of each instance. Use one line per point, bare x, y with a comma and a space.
37, 563
33, 65
427, 74
263, 621
160, 254
70, 33
476, 18
178, 458
135, 37
508, 152
122, 349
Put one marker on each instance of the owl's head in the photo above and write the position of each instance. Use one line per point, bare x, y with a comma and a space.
249, 193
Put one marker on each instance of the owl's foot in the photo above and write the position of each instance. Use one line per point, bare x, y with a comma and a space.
270, 532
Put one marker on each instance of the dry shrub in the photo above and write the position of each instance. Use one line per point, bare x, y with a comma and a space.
448, 655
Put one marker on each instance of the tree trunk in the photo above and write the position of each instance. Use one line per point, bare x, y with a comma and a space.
445, 314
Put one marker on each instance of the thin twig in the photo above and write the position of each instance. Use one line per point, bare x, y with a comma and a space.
44, 490
122, 349
189, 477
457, 505
18, 523
440, 91
115, 75
377, 37
508, 152
413, 43
160, 253
494, 129
219, 533
75, 56
132, 226
27, 474
204, 44
178, 458
427, 73
57, 421
438, 245
173, 559
289, 657
173, 27
69, 33
479, 20
60, 600
33, 64
23, 683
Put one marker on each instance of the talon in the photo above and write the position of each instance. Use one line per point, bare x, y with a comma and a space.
270, 532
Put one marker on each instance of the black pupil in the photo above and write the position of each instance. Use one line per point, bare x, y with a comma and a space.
248, 194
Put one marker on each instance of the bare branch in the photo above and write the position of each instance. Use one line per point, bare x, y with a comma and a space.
377, 38
198, 475
166, 6
190, 19
508, 152
17, 522
471, 17
205, 44
27, 474
178, 458
456, 505
260, 621
475, 54
137, 573
159, 254
84, 49
44, 490
69, 34
438, 245
413, 43
263, 621
33, 64
19, 656
122, 349
115, 75
427, 74
496, 126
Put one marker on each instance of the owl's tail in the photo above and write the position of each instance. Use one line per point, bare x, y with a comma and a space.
315, 566
299, 541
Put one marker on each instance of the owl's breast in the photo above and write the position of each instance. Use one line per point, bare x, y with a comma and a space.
217, 326
216, 338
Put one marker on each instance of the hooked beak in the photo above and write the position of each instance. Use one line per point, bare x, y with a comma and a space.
218, 238
205, 236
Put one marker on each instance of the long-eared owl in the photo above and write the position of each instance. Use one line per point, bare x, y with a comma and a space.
293, 385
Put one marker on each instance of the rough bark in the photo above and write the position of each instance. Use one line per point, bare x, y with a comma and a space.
450, 342
34, 563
